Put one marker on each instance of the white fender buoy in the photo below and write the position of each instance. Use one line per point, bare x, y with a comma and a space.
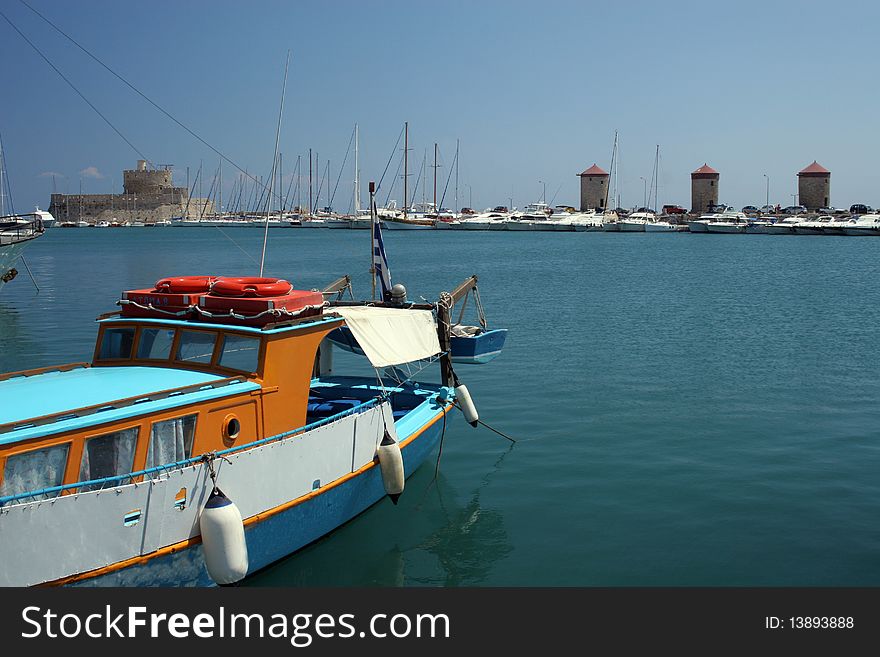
391, 465
223, 542
467, 404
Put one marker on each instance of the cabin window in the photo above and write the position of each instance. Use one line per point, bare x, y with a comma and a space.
155, 344
36, 470
195, 347
116, 343
109, 455
240, 353
171, 441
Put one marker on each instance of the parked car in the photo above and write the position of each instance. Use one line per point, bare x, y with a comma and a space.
795, 209
673, 209
750, 209
768, 209
840, 211
859, 208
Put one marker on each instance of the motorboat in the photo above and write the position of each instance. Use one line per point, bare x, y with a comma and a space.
865, 225
635, 221
728, 221
784, 226
813, 226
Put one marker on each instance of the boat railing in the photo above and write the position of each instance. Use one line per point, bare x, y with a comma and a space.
17, 231
42, 370
129, 478
117, 404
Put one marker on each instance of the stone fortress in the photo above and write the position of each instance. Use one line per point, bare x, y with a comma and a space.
148, 196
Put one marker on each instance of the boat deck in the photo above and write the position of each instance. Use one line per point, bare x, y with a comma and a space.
329, 396
44, 402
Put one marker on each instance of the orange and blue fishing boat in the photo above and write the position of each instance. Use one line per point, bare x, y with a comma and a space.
210, 434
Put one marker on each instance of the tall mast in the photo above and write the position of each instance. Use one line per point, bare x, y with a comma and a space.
2, 188
274, 162
435, 177
456, 208
310, 182
280, 181
405, 165
298, 185
219, 208
611, 177
357, 173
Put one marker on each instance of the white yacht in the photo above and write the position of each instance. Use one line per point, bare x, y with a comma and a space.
587, 221
660, 226
785, 226
866, 224
838, 225
813, 226
635, 222
728, 221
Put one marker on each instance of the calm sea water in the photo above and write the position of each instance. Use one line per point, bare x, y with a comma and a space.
690, 409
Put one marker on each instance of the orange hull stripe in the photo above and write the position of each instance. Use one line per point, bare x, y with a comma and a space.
190, 542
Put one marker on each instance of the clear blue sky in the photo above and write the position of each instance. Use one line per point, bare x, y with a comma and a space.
534, 91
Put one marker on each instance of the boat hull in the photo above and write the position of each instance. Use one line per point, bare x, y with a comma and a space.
861, 232
399, 224
779, 230
275, 527
479, 349
631, 227
659, 228
698, 226
726, 229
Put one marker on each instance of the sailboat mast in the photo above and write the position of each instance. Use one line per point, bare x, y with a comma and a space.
405, 166
2, 188
280, 181
274, 162
357, 173
219, 208
613, 156
657, 179
456, 208
435, 176
310, 182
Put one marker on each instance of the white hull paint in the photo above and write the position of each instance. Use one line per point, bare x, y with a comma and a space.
659, 227
288, 469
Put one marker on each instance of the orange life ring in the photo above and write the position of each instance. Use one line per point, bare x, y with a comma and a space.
250, 287
185, 284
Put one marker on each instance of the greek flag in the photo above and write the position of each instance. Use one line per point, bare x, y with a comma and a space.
380, 261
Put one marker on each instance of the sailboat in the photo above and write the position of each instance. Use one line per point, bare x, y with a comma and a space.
16, 230
609, 217
469, 344
401, 220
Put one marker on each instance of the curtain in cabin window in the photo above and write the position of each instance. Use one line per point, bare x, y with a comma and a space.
32, 471
171, 441
108, 456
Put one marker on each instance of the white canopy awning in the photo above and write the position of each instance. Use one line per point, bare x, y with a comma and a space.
391, 336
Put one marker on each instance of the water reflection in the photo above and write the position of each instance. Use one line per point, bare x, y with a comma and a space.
430, 539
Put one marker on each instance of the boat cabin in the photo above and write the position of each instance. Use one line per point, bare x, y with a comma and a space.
157, 392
